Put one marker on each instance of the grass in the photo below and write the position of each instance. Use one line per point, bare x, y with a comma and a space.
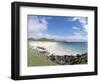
38, 60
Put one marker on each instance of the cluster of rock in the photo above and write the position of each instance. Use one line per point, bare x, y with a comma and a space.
69, 60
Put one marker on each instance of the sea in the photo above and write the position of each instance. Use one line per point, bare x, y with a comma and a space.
62, 48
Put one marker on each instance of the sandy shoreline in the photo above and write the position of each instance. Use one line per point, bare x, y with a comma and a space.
53, 48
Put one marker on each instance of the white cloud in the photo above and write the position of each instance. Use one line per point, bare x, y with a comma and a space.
76, 28
77, 37
47, 18
82, 21
80, 33
85, 27
36, 26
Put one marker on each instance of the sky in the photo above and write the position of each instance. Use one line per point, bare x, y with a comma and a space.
69, 28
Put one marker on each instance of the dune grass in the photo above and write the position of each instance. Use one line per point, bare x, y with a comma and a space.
38, 60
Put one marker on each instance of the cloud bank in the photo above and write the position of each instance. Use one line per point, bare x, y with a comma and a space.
84, 26
36, 26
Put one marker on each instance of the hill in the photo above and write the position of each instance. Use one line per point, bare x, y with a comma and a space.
45, 39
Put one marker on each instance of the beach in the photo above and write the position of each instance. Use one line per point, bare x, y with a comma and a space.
61, 48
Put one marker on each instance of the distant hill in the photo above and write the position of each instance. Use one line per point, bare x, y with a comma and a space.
31, 39
43, 39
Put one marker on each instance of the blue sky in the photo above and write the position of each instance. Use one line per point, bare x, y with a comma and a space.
69, 28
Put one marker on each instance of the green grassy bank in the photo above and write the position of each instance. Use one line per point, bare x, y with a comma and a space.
38, 60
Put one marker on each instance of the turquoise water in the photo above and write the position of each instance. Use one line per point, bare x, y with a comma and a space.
75, 47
